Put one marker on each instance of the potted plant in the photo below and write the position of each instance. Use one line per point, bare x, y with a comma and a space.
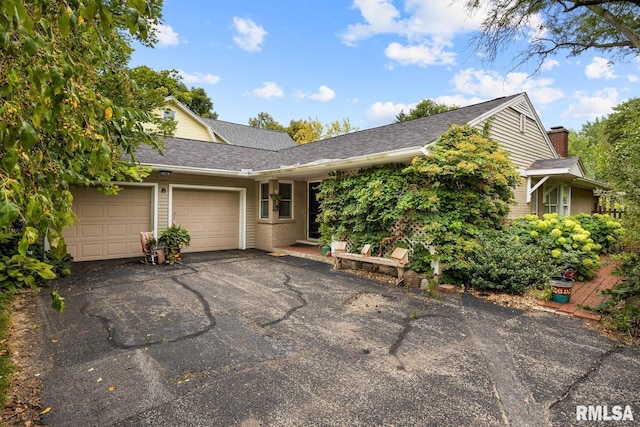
173, 239
276, 197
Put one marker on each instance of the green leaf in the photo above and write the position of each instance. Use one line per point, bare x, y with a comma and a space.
10, 159
30, 46
28, 136
46, 273
58, 302
64, 24
23, 246
8, 213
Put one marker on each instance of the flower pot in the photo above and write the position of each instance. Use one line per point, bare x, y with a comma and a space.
561, 289
325, 249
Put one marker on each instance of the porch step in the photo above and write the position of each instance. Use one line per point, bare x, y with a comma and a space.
309, 242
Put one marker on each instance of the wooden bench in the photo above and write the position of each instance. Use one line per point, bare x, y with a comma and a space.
398, 259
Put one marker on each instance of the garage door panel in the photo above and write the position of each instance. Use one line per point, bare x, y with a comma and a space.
212, 218
109, 227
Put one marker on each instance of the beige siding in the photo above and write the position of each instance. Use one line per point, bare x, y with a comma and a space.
521, 207
582, 201
186, 126
164, 216
523, 148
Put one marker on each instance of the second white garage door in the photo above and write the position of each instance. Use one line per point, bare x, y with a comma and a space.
212, 218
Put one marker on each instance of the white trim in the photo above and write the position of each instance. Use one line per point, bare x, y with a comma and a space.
530, 190
242, 193
293, 189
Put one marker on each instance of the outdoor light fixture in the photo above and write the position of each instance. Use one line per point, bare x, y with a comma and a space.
165, 173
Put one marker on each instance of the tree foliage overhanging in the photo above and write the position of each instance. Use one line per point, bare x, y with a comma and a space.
611, 27
154, 86
463, 184
67, 112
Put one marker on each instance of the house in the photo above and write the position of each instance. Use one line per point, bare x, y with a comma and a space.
217, 178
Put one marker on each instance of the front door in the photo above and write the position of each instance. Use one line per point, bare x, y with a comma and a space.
313, 188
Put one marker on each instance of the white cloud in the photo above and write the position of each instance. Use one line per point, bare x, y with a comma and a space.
324, 94
591, 106
166, 36
490, 84
249, 36
268, 90
632, 78
600, 68
428, 27
458, 100
422, 55
386, 112
549, 64
199, 78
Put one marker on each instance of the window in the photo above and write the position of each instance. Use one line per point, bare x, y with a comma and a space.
557, 199
286, 199
551, 200
264, 200
168, 114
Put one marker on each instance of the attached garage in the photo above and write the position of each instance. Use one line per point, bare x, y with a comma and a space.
213, 217
108, 227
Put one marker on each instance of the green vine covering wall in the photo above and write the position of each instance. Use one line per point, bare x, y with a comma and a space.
464, 184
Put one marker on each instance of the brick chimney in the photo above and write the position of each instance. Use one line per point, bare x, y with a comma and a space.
559, 137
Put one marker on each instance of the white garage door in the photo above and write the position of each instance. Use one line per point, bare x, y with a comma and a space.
212, 218
108, 227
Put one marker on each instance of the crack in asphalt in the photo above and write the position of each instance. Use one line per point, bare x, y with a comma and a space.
393, 350
517, 404
587, 375
112, 331
288, 313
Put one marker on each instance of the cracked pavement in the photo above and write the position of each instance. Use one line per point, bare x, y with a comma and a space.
242, 338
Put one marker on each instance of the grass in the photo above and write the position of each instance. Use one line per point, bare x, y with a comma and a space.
6, 367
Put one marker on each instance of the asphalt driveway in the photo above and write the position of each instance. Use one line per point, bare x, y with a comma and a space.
243, 338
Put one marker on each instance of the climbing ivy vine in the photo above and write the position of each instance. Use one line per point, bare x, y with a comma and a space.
461, 185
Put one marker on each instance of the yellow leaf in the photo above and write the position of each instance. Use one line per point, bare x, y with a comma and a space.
91, 370
108, 113
54, 341
99, 380
45, 411
112, 388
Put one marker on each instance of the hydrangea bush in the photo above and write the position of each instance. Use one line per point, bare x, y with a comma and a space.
572, 242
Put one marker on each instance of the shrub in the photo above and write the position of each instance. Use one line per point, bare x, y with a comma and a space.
505, 263
572, 242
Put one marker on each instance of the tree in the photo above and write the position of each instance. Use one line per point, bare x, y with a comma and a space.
592, 146
575, 26
67, 116
424, 108
265, 121
622, 128
304, 131
154, 86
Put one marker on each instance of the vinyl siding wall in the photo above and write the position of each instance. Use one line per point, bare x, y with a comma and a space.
582, 201
164, 216
186, 126
523, 147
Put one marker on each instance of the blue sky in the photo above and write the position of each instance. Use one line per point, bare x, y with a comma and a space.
365, 60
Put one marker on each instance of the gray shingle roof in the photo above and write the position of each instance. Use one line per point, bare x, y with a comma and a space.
564, 163
411, 134
249, 136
